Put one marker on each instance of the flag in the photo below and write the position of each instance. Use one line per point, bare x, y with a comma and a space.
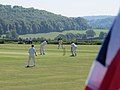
105, 70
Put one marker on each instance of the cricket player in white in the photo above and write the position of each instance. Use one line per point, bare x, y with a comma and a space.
60, 44
32, 53
73, 49
42, 47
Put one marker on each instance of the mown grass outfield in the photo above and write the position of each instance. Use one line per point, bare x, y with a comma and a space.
52, 72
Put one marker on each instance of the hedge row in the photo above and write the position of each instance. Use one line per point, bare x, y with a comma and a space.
97, 42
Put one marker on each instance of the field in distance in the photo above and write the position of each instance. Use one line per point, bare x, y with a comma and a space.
52, 35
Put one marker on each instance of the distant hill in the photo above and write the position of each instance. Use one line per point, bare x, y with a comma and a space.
21, 20
100, 22
97, 17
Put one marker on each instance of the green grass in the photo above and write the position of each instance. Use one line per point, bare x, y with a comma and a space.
52, 35
52, 72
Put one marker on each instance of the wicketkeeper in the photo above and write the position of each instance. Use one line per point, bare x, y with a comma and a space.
42, 47
73, 49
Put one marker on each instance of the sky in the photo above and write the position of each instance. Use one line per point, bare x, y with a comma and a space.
70, 8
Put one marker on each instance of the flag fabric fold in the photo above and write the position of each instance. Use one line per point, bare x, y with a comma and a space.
105, 70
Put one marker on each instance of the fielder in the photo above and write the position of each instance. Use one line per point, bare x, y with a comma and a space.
73, 49
60, 44
42, 47
32, 53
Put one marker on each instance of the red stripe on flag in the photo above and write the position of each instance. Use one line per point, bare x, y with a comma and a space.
87, 88
111, 80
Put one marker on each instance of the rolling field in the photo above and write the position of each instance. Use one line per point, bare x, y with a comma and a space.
52, 35
52, 72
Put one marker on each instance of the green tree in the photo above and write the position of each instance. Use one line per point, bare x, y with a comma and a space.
102, 35
8, 35
90, 33
14, 35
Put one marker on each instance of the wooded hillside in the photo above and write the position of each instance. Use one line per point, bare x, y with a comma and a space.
31, 21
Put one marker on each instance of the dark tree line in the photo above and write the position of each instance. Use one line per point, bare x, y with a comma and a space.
31, 21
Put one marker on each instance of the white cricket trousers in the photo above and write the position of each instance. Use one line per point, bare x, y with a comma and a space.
74, 51
42, 50
31, 59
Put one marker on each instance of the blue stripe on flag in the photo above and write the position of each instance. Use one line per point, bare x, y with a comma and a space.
101, 58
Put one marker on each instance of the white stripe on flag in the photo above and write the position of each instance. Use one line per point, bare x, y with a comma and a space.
96, 75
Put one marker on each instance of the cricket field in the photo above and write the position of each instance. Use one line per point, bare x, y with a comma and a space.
53, 71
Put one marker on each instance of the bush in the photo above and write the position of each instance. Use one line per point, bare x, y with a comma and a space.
20, 42
2, 42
